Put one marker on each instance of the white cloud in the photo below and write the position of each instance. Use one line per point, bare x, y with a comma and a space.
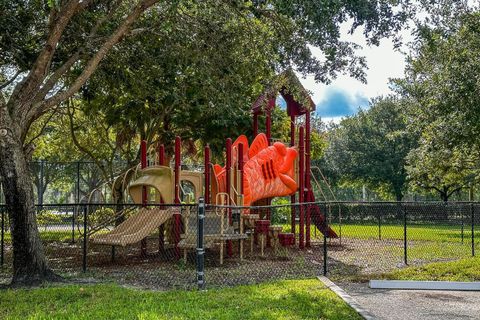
383, 62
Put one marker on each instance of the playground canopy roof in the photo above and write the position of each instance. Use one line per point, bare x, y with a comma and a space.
293, 92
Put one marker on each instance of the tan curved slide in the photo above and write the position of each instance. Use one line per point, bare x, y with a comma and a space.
134, 229
159, 178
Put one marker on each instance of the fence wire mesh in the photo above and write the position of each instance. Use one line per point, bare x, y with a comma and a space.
155, 246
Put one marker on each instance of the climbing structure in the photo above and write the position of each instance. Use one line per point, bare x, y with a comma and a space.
298, 105
252, 175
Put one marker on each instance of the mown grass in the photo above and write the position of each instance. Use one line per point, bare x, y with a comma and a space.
293, 299
461, 270
415, 232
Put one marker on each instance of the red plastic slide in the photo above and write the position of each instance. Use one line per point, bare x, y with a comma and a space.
318, 219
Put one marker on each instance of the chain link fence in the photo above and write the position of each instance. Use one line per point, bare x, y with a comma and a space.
165, 246
73, 182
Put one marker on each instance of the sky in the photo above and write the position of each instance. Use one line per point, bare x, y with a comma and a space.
344, 96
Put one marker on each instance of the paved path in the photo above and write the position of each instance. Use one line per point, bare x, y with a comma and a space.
415, 304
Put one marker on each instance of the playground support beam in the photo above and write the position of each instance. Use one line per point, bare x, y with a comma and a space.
161, 229
228, 168
240, 170
268, 126
292, 197
143, 165
161, 155
301, 175
308, 186
207, 174
268, 132
268, 119
177, 215
255, 125
240, 166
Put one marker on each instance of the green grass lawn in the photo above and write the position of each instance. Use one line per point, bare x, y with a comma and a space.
292, 299
460, 270
415, 232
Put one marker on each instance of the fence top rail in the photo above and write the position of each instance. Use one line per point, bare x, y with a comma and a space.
327, 203
356, 203
63, 205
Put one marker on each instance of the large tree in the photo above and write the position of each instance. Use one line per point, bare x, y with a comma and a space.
371, 147
433, 167
441, 85
50, 49
51, 39
441, 82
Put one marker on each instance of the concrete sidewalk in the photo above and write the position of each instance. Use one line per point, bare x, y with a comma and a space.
415, 304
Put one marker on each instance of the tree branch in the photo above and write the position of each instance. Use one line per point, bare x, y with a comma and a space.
40, 132
57, 23
57, 74
93, 63
79, 146
8, 82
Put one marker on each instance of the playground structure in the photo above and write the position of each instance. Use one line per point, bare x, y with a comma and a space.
252, 175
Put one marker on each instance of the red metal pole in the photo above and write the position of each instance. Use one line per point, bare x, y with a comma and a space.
143, 165
161, 155
302, 187
292, 197
161, 229
308, 185
178, 144
207, 174
255, 125
271, 103
228, 166
240, 166
268, 132
268, 126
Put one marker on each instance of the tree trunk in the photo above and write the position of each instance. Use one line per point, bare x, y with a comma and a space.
119, 202
399, 196
444, 196
29, 262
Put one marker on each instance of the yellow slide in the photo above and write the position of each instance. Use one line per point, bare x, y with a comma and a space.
135, 228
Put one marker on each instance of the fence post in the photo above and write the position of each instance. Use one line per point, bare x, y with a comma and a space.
462, 215
472, 213
325, 255
405, 260
73, 224
85, 216
76, 211
2, 244
200, 248
379, 225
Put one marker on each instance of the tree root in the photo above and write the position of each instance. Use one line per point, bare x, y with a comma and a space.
36, 279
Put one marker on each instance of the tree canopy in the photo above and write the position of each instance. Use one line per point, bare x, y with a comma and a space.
441, 85
371, 147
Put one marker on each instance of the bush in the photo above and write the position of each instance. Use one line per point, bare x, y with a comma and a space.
47, 217
281, 215
100, 216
